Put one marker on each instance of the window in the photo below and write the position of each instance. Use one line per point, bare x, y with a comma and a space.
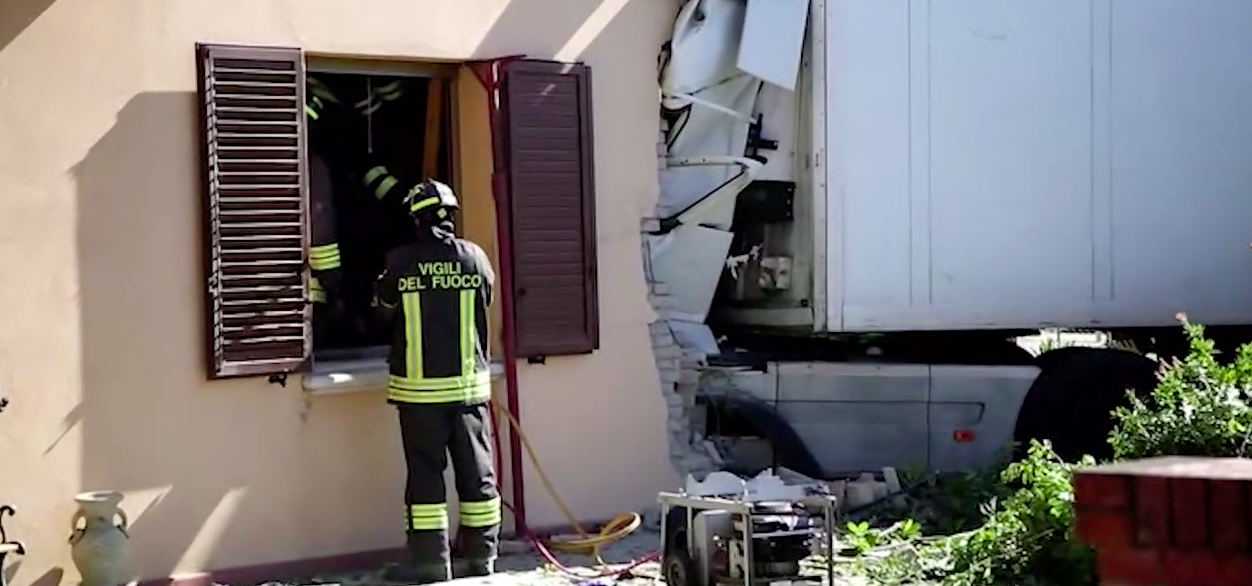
397, 123
266, 185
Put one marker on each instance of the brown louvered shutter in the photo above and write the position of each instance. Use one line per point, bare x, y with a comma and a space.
546, 107
253, 106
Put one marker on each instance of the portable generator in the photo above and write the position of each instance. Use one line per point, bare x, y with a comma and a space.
719, 540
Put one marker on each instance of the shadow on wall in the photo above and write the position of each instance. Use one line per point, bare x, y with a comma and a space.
49, 578
148, 423
141, 429
16, 15
199, 460
513, 31
572, 32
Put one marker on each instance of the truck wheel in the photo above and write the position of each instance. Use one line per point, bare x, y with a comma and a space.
1072, 401
735, 416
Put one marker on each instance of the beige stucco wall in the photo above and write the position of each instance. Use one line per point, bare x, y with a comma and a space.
101, 341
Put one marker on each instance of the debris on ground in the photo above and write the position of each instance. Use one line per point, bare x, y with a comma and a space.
1007, 526
520, 565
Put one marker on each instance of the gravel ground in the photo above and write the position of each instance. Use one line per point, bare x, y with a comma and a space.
519, 565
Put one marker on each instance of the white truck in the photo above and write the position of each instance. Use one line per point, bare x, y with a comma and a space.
921, 181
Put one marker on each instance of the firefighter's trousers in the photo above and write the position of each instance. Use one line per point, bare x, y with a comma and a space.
432, 434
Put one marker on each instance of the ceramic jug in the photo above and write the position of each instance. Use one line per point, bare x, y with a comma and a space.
98, 544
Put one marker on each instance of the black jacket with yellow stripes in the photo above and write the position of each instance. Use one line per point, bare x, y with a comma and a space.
438, 290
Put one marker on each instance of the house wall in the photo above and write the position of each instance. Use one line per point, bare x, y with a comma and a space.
101, 337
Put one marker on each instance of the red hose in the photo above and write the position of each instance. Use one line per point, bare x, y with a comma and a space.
547, 555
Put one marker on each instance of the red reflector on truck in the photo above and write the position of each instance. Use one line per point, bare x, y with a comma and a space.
962, 436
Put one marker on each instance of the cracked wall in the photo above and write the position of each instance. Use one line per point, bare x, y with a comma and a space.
679, 369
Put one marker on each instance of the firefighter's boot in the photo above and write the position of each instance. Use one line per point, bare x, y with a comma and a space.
412, 572
476, 568
423, 565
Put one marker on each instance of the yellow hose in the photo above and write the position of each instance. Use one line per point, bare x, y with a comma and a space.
619, 527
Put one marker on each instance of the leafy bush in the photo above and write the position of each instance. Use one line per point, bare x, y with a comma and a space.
1199, 408
1026, 539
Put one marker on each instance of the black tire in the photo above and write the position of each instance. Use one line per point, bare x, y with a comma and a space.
679, 570
1072, 401
675, 530
760, 419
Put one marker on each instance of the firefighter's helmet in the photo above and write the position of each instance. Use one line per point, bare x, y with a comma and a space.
431, 196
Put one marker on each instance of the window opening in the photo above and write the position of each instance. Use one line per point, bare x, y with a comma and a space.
358, 124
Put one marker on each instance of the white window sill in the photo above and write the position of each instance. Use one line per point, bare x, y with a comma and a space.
350, 376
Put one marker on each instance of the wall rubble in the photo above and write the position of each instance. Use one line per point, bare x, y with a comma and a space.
679, 368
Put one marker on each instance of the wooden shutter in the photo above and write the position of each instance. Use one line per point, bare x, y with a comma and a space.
255, 200
546, 107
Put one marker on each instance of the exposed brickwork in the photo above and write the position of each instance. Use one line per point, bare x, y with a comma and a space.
1168, 521
679, 370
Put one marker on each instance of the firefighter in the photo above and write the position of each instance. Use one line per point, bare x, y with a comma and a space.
323, 254
377, 178
337, 120
437, 291
322, 105
376, 97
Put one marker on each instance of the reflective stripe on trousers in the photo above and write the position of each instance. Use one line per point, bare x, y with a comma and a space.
435, 436
324, 257
317, 294
428, 517
471, 386
481, 513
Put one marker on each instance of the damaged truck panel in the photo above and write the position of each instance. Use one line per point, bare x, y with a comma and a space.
935, 179
972, 179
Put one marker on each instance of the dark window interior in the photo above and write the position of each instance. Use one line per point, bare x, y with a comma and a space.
394, 135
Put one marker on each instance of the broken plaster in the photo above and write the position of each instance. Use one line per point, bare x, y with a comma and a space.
679, 370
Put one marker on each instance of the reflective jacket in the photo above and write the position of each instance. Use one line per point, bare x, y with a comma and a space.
438, 290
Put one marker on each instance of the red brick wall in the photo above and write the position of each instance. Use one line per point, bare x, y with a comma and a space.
1168, 521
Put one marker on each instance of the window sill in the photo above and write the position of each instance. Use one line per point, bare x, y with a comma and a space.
351, 376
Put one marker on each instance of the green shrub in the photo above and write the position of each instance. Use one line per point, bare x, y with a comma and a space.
1025, 539
1200, 407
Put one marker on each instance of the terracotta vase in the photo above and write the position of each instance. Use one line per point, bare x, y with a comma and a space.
99, 545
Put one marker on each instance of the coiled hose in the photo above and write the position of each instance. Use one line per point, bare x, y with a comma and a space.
619, 527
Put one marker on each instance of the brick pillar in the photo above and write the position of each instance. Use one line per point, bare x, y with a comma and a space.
1174, 521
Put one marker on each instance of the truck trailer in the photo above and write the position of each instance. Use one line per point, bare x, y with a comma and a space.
867, 201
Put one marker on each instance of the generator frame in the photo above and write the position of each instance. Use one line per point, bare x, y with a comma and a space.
691, 504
